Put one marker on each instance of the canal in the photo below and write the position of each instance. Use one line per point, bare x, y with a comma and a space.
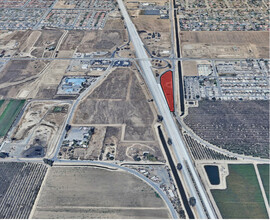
181, 87
176, 176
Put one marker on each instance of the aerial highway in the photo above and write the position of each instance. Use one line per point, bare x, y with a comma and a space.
177, 143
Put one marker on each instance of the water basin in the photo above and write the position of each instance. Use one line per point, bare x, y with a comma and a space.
213, 174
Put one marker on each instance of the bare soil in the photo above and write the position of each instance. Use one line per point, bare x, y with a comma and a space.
118, 100
87, 192
227, 44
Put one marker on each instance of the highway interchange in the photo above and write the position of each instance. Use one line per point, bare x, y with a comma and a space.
188, 172
179, 148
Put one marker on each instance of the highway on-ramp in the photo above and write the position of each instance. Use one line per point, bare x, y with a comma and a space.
180, 151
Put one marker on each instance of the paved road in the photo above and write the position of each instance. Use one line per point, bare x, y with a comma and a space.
133, 172
45, 15
178, 145
3, 59
54, 153
106, 164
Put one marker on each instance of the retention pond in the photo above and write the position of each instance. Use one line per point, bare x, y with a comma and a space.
213, 174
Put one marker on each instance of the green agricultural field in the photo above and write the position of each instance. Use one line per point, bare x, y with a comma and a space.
9, 114
1, 102
243, 197
264, 173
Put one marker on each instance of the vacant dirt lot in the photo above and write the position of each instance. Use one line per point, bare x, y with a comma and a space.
13, 91
102, 40
19, 70
225, 44
11, 41
158, 43
127, 151
29, 43
46, 87
114, 24
93, 41
190, 68
120, 104
47, 38
86, 192
17, 76
118, 100
147, 26
150, 23
72, 39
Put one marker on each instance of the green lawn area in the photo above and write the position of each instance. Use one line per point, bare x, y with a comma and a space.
264, 173
9, 114
243, 197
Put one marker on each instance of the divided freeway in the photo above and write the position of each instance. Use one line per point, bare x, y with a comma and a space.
178, 145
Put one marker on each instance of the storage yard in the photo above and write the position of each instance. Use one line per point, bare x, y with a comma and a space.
83, 143
20, 184
87, 192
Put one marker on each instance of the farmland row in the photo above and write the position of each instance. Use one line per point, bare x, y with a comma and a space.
22, 191
200, 152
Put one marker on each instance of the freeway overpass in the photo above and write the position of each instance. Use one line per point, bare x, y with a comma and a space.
188, 171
